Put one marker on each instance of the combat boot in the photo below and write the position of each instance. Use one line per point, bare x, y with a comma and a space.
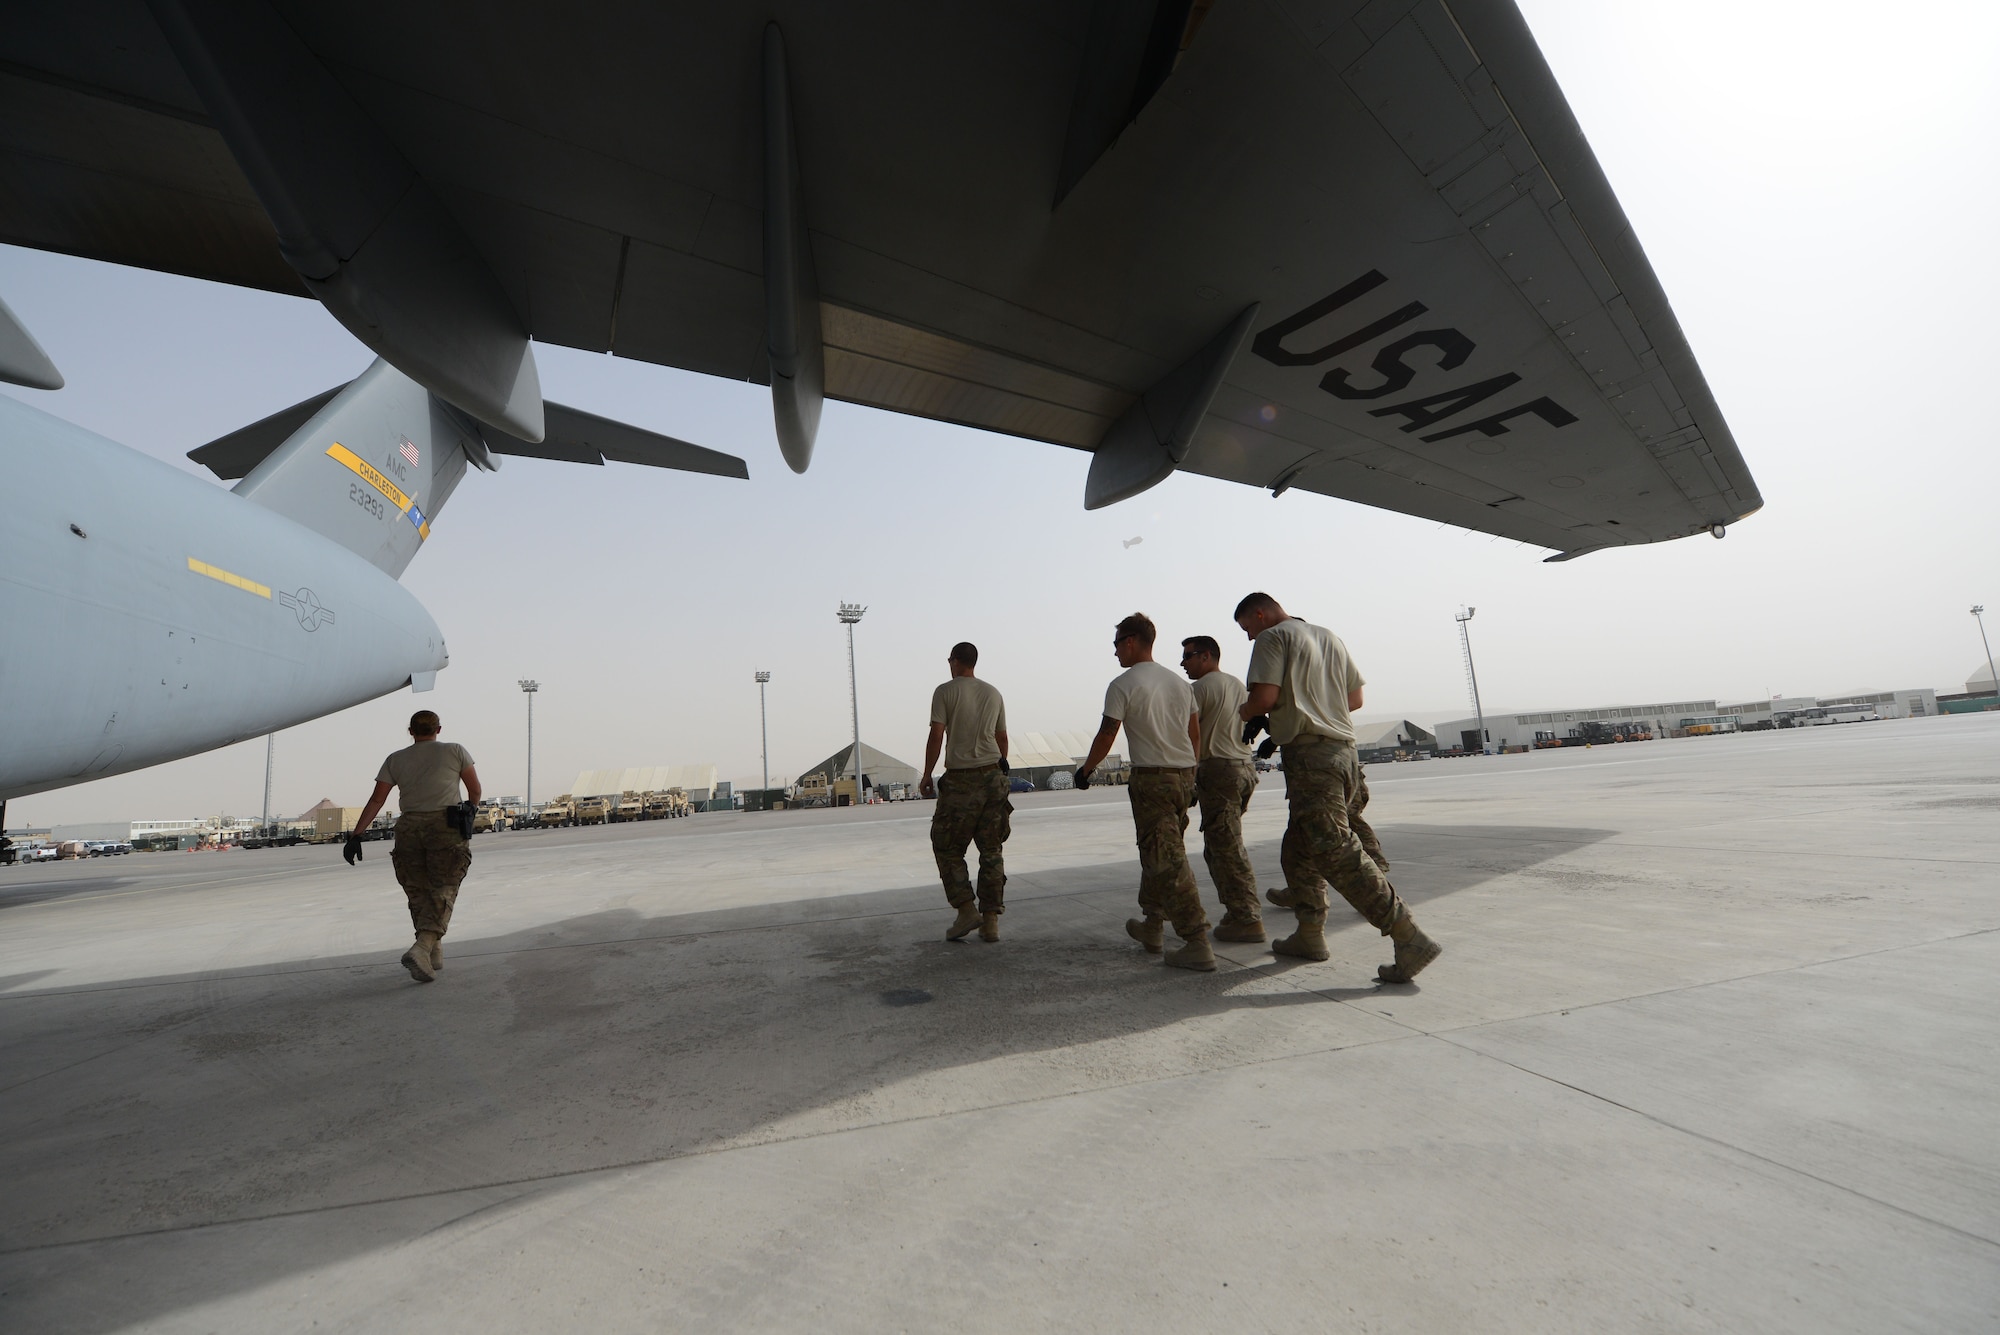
417, 959
989, 927
1197, 954
1308, 943
967, 919
1285, 897
436, 949
1148, 932
1239, 927
1414, 951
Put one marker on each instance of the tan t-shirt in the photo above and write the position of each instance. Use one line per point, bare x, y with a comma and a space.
1154, 703
1219, 696
426, 773
1313, 673
971, 712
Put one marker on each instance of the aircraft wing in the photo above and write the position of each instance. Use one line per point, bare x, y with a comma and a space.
1360, 249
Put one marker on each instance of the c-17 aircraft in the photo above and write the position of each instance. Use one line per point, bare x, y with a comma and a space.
178, 617
1353, 247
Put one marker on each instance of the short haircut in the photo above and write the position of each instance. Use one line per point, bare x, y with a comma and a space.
1139, 625
424, 723
1203, 644
1255, 602
966, 652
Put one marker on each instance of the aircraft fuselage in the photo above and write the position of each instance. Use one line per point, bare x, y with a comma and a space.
146, 615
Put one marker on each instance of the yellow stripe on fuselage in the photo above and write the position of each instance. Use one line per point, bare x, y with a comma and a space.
368, 473
233, 580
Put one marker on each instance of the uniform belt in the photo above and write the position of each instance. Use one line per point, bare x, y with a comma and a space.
1315, 739
1161, 769
974, 769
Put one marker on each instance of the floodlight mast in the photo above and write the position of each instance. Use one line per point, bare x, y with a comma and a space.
850, 613
529, 688
764, 727
1979, 615
1471, 673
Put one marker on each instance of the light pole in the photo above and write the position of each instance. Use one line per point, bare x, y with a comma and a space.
850, 613
529, 688
764, 727
1464, 619
1979, 615
270, 755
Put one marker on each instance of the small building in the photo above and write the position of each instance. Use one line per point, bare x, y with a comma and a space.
1512, 731
330, 822
1890, 704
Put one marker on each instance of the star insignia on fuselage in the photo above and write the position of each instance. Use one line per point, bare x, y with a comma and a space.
311, 615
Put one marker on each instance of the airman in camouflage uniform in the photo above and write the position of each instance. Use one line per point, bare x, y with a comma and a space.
1157, 711
1295, 891
973, 803
1303, 685
1225, 779
1160, 798
431, 857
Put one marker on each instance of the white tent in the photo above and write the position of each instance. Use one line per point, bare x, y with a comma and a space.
697, 779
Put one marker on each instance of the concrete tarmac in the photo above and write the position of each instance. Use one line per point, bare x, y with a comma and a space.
1712, 1047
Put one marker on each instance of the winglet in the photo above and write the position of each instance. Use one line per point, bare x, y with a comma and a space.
22, 361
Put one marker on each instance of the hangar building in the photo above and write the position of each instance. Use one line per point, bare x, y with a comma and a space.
879, 769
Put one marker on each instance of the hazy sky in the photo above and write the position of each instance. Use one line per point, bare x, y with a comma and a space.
1813, 183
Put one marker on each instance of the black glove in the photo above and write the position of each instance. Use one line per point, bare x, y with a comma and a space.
1252, 727
1083, 778
1268, 749
1005, 768
353, 850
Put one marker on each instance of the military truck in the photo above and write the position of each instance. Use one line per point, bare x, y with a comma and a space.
815, 790
562, 811
489, 816
595, 810
667, 803
629, 806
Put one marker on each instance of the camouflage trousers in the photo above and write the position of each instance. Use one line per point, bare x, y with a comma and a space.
1224, 788
430, 858
972, 808
1323, 783
1299, 881
1160, 801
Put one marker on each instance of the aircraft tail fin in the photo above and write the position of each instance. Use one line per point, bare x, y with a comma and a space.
370, 464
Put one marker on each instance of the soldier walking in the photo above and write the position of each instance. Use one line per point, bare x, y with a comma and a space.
1157, 711
1303, 685
1292, 895
1224, 779
969, 726
431, 855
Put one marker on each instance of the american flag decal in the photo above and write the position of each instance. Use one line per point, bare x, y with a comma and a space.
408, 449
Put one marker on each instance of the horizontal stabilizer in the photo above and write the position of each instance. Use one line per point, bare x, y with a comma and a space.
370, 463
574, 436
578, 437
234, 455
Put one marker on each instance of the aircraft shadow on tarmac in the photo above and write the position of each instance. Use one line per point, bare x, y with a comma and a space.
594, 1043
